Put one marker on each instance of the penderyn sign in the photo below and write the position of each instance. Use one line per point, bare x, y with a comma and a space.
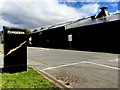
15, 49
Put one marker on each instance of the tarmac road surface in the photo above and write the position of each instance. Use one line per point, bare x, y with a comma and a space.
80, 69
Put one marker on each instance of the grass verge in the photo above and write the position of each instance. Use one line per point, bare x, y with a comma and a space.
26, 79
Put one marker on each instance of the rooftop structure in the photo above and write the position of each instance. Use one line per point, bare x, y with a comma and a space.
102, 17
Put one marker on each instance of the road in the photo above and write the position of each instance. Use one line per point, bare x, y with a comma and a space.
80, 69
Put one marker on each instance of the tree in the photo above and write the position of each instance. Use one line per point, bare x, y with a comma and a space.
28, 31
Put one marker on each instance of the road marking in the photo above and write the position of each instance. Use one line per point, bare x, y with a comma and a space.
44, 49
80, 63
102, 65
63, 65
114, 60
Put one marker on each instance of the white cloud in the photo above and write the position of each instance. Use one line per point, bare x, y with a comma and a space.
59, 1
118, 11
1, 5
35, 13
4, 23
114, 5
89, 9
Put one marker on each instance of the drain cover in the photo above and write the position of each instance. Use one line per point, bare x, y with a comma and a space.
71, 78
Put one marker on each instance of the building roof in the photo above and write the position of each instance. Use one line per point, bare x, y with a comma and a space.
85, 22
89, 21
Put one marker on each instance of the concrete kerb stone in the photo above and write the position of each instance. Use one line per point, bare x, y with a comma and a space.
52, 79
1, 60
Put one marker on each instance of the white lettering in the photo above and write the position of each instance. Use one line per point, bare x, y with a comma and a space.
15, 32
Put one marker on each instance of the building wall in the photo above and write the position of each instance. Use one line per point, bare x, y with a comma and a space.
101, 37
52, 38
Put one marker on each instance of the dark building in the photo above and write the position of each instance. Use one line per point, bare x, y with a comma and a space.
51, 38
88, 34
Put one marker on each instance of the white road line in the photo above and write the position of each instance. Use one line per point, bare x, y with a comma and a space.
82, 62
102, 65
39, 48
64, 65
44, 49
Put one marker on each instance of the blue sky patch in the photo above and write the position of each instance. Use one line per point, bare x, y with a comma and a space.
112, 6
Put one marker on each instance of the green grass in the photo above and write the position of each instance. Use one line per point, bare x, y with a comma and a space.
27, 79
0, 81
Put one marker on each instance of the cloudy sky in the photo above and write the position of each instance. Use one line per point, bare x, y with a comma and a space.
34, 14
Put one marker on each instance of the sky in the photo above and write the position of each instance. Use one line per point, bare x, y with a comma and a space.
35, 14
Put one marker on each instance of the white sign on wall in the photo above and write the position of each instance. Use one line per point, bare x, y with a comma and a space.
70, 37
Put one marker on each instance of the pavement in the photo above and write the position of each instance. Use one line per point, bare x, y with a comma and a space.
79, 69
1, 60
1, 57
76, 69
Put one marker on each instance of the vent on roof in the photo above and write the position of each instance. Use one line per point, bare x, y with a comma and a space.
103, 12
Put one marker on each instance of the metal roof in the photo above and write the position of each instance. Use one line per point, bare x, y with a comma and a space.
89, 21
